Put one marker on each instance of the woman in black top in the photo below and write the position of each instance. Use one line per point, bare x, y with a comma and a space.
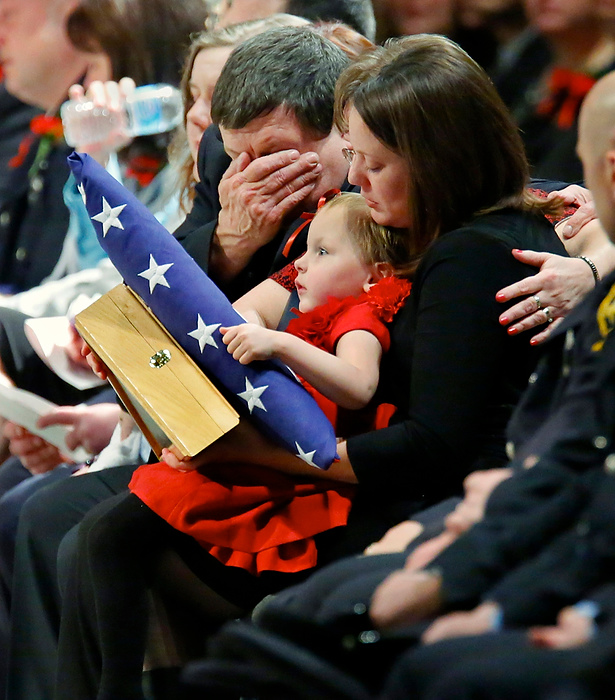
433, 151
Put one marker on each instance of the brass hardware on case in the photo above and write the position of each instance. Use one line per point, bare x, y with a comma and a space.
159, 359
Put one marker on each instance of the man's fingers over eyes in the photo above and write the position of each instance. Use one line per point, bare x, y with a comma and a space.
277, 169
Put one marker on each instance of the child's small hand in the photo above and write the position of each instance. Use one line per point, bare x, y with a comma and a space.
249, 341
179, 462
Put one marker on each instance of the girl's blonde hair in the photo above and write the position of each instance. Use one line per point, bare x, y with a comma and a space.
376, 243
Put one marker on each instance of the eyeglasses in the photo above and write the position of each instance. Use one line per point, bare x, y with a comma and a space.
349, 154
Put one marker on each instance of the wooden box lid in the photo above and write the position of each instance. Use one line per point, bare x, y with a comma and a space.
168, 395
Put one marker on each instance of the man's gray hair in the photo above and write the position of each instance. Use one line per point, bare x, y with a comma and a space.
292, 67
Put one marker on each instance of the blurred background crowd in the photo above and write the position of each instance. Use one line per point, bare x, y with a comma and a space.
542, 56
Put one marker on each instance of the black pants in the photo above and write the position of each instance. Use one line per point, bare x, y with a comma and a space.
105, 614
503, 666
35, 609
347, 585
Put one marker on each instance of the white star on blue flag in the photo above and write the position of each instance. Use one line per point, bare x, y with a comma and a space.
204, 333
252, 396
307, 457
155, 274
109, 216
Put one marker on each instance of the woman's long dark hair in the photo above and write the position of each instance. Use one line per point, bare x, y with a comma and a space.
144, 39
424, 98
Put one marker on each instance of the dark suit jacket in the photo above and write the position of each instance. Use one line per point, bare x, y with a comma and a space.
33, 217
15, 117
566, 419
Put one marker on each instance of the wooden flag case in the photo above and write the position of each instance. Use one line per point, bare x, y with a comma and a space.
167, 394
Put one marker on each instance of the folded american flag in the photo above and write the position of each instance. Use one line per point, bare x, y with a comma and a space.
192, 309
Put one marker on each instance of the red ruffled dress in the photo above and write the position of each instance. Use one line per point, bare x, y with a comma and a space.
257, 518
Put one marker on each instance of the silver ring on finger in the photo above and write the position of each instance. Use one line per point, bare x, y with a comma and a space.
547, 313
538, 302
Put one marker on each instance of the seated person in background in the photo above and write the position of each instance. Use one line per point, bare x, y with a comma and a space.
583, 50
38, 169
521, 53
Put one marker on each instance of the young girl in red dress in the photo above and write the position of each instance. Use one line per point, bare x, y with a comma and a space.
349, 289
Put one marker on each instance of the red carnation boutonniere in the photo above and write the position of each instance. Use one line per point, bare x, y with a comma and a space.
49, 130
44, 125
566, 90
144, 169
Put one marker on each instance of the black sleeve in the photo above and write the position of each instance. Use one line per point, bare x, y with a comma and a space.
578, 435
567, 568
465, 372
552, 185
197, 241
197, 231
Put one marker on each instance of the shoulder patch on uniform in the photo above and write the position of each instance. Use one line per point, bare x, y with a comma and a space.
605, 317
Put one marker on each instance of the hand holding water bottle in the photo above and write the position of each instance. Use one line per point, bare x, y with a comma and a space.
109, 115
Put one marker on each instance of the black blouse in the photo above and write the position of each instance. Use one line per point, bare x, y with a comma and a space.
453, 371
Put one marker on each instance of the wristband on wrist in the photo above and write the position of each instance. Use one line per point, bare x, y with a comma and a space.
497, 620
592, 267
591, 610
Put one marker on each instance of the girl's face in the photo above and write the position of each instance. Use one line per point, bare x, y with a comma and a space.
381, 174
332, 265
206, 70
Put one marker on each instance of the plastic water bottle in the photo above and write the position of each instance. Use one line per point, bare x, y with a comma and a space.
149, 109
